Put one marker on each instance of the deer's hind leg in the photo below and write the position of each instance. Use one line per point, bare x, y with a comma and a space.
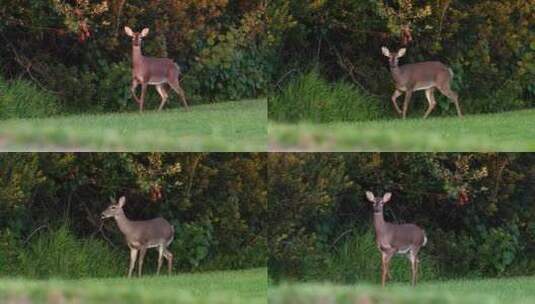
429, 94
448, 92
160, 258
133, 256
413, 257
175, 85
169, 257
161, 90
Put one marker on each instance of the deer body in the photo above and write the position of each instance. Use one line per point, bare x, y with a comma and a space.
395, 239
141, 235
152, 71
428, 76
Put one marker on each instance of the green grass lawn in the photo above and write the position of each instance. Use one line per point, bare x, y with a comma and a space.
510, 131
242, 286
228, 126
488, 291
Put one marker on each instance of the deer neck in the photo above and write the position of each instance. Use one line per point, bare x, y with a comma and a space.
124, 223
379, 223
396, 73
137, 56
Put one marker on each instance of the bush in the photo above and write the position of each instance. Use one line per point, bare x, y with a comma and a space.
357, 259
310, 97
21, 99
59, 254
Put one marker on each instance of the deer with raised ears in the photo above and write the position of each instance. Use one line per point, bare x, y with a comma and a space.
428, 76
152, 71
141, 235
395, 238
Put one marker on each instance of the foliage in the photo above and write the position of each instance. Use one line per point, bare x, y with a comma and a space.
79, 50
216, 202
472, 206
488, 44
59, 254
311, 98
22, 99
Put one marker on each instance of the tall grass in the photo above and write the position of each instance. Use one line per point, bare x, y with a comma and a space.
357, 259
59, 253
311, 98
21, 99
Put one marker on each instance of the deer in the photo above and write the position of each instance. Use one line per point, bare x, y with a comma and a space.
152, 71
428, 76
395, 238
141, 235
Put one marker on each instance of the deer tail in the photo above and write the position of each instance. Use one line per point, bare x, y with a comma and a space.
425, 240
451, 72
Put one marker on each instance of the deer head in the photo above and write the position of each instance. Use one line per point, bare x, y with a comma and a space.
378, 202
114, 209
136, 36
393, 57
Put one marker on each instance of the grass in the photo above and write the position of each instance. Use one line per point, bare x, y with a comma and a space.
483, 291
243, 286
230, 126
509, 131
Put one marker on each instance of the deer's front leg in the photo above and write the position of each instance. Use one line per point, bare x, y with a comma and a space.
133, 256
133, 88
408, 95
142, 99
140, 260
395, 96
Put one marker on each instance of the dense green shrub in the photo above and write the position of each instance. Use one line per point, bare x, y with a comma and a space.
355, 258
58, 253
473, 208
216, 202
309, 97
22, 99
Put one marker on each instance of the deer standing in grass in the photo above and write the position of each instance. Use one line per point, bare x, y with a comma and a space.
141, 235
428, 76
394, 238
153, 71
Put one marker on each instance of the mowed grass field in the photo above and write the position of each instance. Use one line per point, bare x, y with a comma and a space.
489, 291
226, 126
242, 286
509, 131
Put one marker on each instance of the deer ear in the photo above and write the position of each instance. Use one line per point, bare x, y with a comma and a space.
386, 52
128, 31
370, 196
122, 201
387, 197
145, 32
401, 52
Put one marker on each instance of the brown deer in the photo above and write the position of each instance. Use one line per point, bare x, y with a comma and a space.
394, 238
420, 76
141, 235
153, 71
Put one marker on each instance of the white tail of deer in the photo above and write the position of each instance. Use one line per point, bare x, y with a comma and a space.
153, 71
393, 238
420, 76
141, 235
